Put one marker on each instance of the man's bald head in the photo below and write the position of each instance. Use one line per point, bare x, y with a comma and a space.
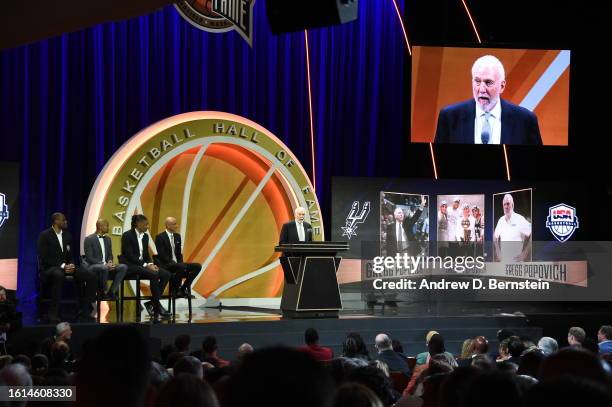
101, 226
171, 224
383, 342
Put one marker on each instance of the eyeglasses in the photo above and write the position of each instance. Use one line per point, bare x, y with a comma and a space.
488, 83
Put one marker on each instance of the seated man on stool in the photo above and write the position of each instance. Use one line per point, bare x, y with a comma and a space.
99, 259
170, 256
55, 257
135, 252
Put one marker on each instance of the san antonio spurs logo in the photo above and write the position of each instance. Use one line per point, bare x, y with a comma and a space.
562, 221
219, 16
4, 212
354, 218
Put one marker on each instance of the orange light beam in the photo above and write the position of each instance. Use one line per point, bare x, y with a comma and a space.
312, 145
433, 160
399, 17
507, 162
467, 10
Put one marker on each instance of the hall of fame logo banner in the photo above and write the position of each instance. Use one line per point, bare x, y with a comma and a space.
219, 16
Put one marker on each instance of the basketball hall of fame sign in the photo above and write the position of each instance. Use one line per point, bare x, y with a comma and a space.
231, 185
219, 16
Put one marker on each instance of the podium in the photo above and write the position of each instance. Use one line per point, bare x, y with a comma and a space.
311, 287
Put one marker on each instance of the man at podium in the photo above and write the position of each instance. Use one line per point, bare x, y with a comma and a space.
297, 230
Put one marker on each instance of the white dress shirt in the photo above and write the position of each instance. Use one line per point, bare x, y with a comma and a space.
171, 238
102, 246
61, 242
139, 237
400, 236
300, 231
494, 122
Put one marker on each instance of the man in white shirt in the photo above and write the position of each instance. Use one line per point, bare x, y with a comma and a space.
512, 234
135, 254
486, 118
99, 259
443, 229
297, 230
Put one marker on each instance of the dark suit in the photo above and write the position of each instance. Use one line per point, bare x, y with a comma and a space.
130, 256
188, 271
395, 362
289, 233
51, 257
407, 224
96, 262
518, 125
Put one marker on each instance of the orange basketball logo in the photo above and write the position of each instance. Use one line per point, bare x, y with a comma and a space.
229, 182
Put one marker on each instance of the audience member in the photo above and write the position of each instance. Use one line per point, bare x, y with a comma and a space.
386, 354
312, 348
209, 348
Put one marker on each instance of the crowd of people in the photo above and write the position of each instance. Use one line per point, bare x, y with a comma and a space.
116, 368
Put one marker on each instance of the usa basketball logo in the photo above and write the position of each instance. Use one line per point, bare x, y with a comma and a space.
4, 212
562, 221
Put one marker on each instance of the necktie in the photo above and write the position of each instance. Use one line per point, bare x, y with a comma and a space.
301, 232
485, 136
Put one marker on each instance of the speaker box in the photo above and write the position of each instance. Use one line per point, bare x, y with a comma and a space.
288, 15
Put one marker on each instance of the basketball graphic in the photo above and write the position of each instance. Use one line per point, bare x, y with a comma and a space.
230, 183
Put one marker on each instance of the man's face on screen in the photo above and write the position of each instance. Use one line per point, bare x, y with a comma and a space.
508, 205
443, 208
399, 214
487, 85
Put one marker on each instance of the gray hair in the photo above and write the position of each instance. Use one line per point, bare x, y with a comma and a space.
490, 60
62, 327
548, 345
383, 342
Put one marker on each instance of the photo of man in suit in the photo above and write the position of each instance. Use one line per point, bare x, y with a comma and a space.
56, 261
296, 230
170, 257
400, 232
99, 259
135, 254
486, 118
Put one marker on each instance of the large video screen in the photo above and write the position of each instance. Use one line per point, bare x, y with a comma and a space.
490, 96
9, 224
537, 235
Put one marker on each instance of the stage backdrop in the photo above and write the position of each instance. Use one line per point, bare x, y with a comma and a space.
230, 183
9, 223
68, 103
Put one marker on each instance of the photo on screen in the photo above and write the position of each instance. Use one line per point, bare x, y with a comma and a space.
461, 225
512, 216
490, 96
404, 224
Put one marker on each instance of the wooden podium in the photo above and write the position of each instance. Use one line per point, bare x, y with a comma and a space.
311, 287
